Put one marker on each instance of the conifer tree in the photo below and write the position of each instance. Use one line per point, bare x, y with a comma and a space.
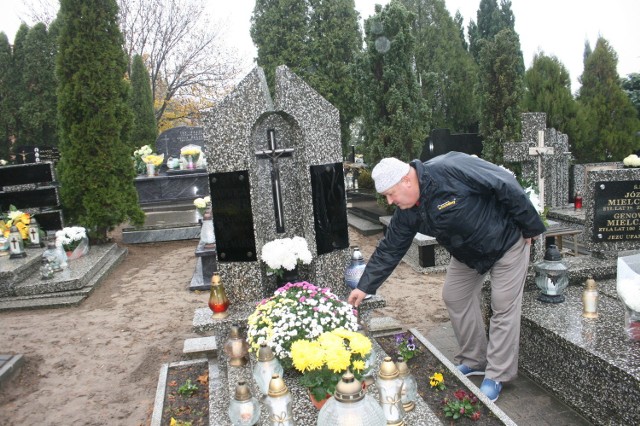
631, 86
279, 29
5, 105
144, 130
95, 171
38, 109
395, 120
17, 95
501, 88
609, 117
445, 69
548, 90
334, 43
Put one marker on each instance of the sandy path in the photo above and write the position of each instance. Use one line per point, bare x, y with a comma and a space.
98, 363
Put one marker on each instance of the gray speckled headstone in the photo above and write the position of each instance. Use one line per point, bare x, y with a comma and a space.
555, 167
303, 121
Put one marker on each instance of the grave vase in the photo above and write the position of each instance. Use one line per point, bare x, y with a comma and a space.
288, 277
151, 169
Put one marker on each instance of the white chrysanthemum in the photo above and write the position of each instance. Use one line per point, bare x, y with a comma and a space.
534, 198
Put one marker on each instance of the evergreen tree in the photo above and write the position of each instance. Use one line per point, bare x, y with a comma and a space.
5, 105
609, 117
459, 20
144, 130
631, 86
491, 20
446, 71
95, 169
279, 29
501, 89
548, 90
334, 42
37, 111
18, 93
394, 116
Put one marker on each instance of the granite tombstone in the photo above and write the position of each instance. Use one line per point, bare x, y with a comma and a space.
278, 173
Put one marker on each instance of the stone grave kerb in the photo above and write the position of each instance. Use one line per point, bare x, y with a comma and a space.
304, 128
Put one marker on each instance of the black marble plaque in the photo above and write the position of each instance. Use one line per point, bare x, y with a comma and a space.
41, 197
171, 141
50, 220
233, 217
329, 207
616, 211
24, 174
27, 154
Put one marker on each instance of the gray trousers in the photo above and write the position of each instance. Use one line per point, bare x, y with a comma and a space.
462, 295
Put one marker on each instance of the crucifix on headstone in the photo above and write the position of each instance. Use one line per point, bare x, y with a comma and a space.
539, 151
273, 154
23, 154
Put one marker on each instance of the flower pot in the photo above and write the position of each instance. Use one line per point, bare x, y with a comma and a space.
315, 402
151, 169
288, 277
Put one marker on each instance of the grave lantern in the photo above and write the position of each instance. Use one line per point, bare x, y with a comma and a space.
351, 406
266, 367
34, 234
551, 276
410, 386
16, 245
389, 385
218, 301
279, 403
244, 409
236, 348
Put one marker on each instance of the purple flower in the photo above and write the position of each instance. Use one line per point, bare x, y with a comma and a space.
302, 299
399, 338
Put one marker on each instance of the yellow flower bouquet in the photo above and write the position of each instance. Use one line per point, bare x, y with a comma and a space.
192, 151
19, 219
155, 159
324, 360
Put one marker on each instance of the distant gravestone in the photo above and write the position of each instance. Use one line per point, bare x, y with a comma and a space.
278, 173
171, 141
28, 154
441, 141
544, 156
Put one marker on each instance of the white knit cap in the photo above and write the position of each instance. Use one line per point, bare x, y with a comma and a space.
388, 172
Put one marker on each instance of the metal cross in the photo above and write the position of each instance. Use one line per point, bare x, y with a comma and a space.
273, 153
539, 151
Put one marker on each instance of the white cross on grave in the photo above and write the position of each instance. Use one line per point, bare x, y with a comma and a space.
540, 151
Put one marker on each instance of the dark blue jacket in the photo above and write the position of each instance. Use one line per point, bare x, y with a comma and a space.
473, 208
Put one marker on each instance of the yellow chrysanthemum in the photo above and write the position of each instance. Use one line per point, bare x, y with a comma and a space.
306, 355
331, 341
358, 365
25, 218
360, 344
338, 359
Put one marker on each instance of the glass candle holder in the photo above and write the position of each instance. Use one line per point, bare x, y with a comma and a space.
266, 367
389, 385
218, 301
244, 409
279, 403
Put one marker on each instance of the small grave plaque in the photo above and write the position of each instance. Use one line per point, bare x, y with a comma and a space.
616, 211
231, 208
329, 207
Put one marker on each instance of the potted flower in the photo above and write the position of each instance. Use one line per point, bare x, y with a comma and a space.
153, 161
74, 241
191, 153
324, 360
296, 311
285, 254
201, 204
138, 164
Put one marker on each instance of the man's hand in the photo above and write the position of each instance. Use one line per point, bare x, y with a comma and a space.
356, 297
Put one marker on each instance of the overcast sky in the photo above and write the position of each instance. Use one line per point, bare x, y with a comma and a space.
556, 27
